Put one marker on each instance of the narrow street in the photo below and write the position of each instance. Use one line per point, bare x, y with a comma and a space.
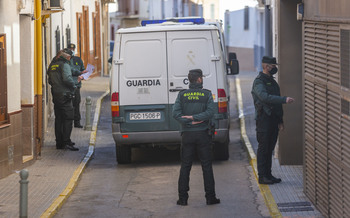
148, 186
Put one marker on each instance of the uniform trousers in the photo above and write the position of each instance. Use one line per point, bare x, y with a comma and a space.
192, 142
76, 105
64, 114
267, 134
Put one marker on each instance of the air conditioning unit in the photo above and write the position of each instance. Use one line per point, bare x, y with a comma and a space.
26, 6
54, 4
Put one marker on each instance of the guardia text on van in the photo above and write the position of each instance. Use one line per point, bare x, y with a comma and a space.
149, 82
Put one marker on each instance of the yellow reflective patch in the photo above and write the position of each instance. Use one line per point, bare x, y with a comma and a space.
193, 94
54, 67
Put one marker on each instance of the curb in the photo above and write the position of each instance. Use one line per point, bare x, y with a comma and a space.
264, 189
61, 199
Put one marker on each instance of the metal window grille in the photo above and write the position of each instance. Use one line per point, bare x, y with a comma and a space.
246, 18
58, 39
68, 34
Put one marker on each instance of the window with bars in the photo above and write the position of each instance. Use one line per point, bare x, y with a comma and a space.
68, 35
58, 39
3, 81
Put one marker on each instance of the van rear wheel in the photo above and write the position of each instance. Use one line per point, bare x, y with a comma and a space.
220, 150
123, 154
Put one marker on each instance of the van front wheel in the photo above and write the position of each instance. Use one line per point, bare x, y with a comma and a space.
123, 154
221, 149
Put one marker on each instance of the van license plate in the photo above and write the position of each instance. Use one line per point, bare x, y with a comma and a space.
145, 116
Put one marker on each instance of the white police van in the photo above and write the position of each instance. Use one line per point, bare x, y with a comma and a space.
150, 67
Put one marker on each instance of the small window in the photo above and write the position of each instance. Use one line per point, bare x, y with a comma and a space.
3, 81
246, 18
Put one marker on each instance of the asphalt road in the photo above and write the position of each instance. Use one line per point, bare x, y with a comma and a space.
148, 186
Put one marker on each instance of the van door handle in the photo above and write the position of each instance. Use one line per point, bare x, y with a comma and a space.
175, 90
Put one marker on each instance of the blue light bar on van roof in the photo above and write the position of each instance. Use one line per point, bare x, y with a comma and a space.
175, 20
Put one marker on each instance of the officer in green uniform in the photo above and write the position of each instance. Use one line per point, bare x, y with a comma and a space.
62, 89
269, 117
193, 109
78, 68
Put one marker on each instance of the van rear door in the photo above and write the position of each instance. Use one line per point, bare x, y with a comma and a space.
143, 82
190, 50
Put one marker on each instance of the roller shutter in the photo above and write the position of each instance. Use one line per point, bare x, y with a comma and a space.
327, 117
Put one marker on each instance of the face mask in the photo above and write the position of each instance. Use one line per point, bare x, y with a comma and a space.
273, 71
73, 53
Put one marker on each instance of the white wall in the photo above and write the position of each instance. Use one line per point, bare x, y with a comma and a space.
68, 16
238, 36
155, 9
144, 9
9, 24
27, 59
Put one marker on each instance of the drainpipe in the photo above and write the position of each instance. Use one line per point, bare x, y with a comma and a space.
38, 91
268, 29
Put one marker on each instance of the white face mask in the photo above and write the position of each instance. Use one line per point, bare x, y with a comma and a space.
73, 53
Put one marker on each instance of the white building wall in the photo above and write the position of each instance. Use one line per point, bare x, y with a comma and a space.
247, 44
207, 9
144, 9
238, 36
155, 9
27, 59
69, 17
55, 22
168, 8
9, 24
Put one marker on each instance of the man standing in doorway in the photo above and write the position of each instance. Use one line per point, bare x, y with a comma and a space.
193, 109
78, 68
269, 117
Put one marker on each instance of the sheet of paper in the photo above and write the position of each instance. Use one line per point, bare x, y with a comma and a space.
90, 68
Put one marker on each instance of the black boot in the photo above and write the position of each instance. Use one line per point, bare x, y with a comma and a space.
265, 180
182, 202
72, 148
274, 179
213, 200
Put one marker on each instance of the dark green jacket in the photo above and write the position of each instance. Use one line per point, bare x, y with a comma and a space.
60, 79
77, 66
267, 97
196, 102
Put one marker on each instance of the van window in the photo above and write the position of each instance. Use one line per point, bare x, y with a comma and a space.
143, 56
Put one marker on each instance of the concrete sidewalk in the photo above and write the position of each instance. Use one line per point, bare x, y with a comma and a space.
285, 199
52, 173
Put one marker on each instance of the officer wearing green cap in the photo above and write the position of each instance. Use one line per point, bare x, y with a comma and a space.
62, 89
269, 117
78, 68
193, 109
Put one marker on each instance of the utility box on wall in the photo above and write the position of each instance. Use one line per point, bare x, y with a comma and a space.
53, 4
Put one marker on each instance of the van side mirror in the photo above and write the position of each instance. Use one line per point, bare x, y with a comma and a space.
233, 64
